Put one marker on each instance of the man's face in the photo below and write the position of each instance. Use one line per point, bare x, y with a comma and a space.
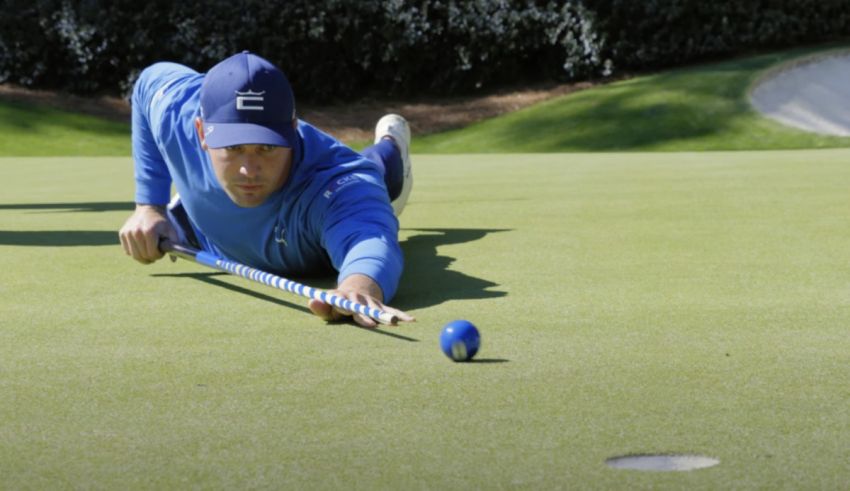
250, 174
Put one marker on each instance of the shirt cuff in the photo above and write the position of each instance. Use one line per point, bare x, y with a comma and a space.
377, 260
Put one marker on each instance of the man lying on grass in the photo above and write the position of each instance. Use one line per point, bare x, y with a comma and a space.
256, 185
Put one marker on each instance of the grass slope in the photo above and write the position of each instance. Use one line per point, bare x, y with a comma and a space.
698, 108
34, 130
629, 303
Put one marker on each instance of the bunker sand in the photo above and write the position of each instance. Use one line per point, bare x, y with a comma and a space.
811, 94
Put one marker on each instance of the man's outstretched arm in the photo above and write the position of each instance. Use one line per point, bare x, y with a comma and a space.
149, 222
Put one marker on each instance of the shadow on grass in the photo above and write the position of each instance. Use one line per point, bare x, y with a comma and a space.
58, 238
73, 207
211, 278
63, 238
427, 279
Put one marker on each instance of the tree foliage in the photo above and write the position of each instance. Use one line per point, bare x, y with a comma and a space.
336, 49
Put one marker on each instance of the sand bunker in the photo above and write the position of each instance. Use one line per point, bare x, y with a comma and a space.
813, 95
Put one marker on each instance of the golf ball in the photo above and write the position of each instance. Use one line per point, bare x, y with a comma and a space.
460, 340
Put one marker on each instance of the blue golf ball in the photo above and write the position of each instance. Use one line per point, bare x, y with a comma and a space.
460, 340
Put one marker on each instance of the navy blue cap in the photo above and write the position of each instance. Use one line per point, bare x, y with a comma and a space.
245, 99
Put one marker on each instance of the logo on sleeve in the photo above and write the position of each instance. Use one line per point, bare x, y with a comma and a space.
280, 235
339, 184
161, 92
249, 101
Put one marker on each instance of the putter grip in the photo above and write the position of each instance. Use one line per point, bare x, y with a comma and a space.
274, 281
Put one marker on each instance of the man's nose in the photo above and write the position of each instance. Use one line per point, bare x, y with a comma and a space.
249, 168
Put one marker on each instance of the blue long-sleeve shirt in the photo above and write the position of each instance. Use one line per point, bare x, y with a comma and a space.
332, 212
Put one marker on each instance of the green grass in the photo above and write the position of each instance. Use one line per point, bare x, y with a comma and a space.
678, 302
697, 108
36, 130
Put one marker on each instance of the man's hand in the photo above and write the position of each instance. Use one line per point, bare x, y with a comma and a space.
142, 232
361, 289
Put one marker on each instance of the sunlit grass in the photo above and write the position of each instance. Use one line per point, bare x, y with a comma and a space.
28, 129
697, 108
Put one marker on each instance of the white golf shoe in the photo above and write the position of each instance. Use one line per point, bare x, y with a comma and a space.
396, 127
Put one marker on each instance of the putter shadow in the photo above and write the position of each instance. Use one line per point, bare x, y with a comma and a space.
385, 333
210, 278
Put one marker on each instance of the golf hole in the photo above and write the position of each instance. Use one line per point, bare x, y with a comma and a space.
662, 463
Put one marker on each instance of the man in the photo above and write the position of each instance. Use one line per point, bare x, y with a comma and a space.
256, 185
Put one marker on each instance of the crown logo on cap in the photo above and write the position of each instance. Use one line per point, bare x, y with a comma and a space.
249, 101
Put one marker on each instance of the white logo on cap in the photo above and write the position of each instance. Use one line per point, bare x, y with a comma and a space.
249, 101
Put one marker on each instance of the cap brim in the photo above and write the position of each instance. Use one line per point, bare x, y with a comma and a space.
219, 135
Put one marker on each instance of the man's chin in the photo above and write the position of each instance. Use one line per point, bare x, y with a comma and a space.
250, 201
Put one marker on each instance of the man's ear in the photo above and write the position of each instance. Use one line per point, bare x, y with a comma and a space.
199, 127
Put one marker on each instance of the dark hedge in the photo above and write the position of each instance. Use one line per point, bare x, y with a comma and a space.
336, 49
660, 33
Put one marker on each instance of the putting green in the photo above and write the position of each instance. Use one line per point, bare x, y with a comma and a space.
628, 303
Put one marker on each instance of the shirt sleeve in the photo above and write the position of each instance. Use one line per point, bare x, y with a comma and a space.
361, 233
153, 180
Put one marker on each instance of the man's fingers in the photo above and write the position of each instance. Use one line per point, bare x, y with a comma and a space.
331, 313
365, 320
324, 311
142, 232
402, 316
151, 240
124, 244
131, 248
319, 309
140, 246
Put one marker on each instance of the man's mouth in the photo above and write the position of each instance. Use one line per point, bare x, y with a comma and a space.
249, 187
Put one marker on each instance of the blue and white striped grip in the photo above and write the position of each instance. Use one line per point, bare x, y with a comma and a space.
275, 281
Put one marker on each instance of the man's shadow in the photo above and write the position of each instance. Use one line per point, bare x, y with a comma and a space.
63, 238
427, 279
